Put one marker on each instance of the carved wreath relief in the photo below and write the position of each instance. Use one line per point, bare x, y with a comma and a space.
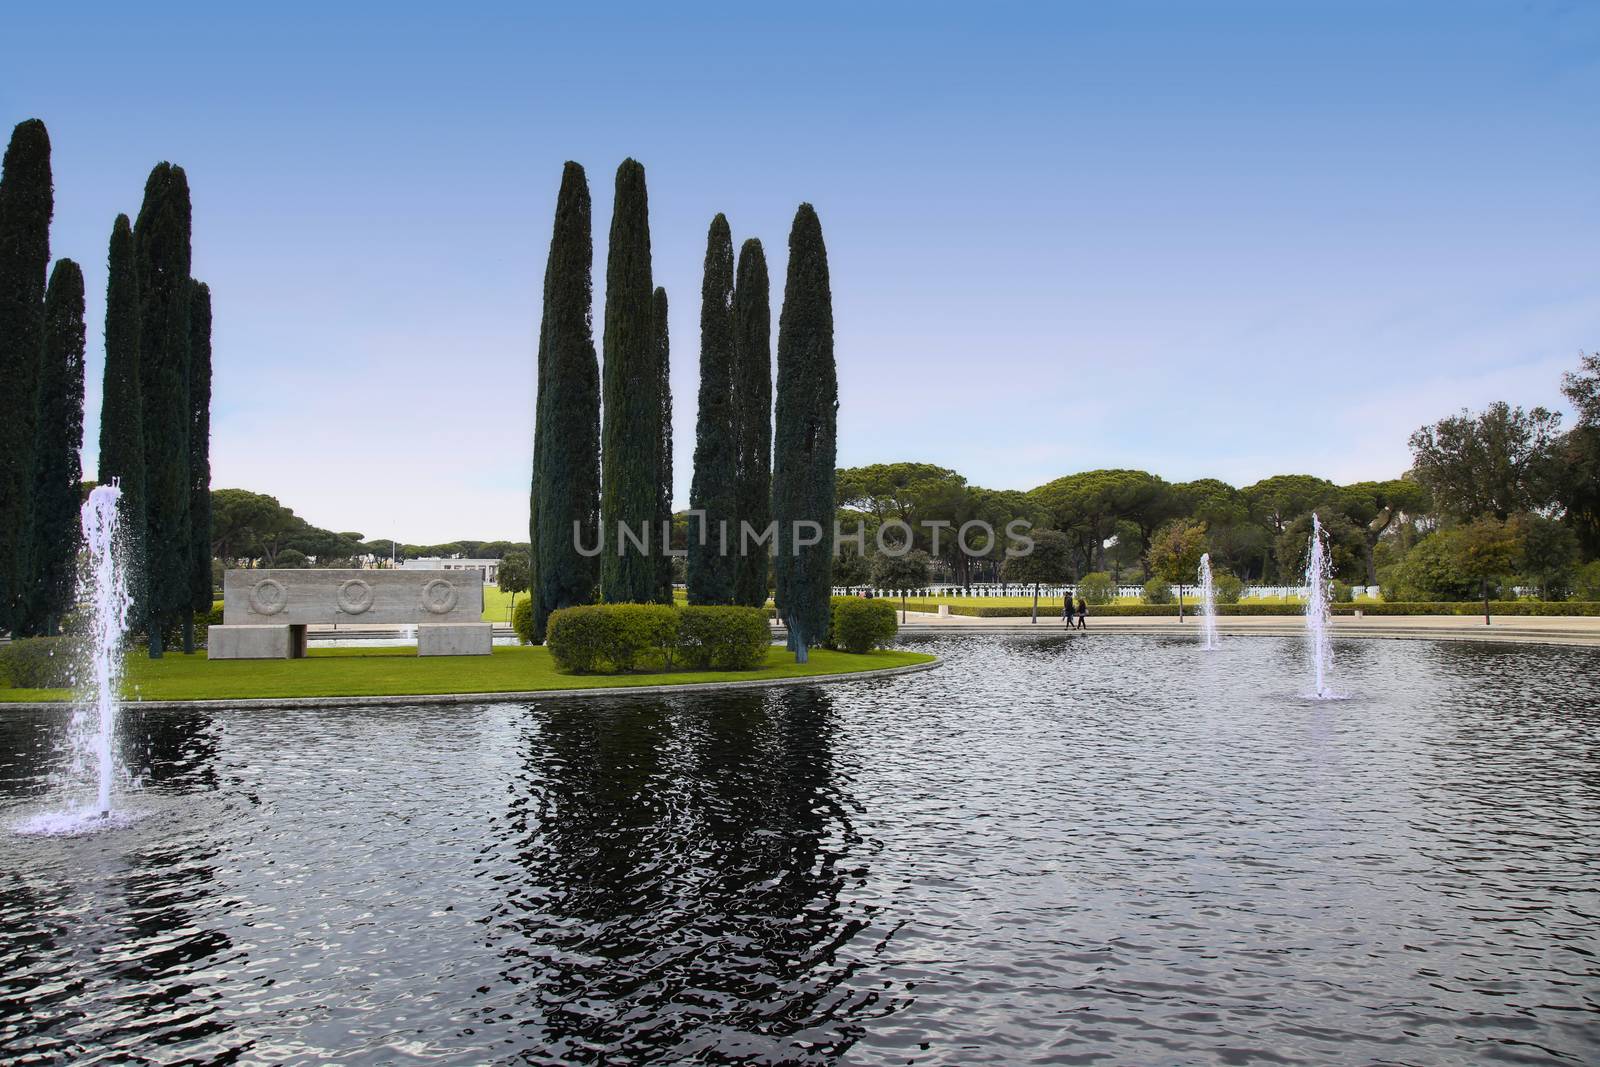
355, 596
439, 597
267, 597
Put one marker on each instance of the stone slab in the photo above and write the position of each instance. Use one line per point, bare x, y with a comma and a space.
455, 639
375, 597
249, 642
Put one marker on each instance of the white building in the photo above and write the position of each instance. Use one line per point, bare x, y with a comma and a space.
489, 568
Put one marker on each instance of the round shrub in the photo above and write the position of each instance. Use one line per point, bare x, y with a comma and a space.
1158, 591
861, 625
1429, 572
1097, 588
1586, 585
40, 662
611, 638
1228, 588
522, 620
723, 638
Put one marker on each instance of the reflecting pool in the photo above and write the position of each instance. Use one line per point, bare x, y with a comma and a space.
1114, 849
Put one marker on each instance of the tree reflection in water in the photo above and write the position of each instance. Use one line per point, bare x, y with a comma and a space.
683, 866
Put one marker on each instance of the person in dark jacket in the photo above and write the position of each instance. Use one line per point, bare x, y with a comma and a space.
1083, 613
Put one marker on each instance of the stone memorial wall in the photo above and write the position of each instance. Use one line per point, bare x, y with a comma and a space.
265, 612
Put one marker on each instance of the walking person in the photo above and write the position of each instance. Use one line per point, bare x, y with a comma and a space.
1083, 613
1066, 607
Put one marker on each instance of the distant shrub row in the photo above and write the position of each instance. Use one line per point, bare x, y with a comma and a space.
1469, 607
618, 638
1370, 607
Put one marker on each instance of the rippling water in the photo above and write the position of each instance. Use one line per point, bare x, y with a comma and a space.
1114, 850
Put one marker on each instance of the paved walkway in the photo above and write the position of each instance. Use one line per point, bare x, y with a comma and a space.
1553, 630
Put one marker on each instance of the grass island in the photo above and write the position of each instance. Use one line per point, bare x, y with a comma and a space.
398, 671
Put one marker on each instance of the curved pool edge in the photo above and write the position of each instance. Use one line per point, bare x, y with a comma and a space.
412, 699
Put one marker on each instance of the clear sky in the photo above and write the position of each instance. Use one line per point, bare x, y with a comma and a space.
1205, 239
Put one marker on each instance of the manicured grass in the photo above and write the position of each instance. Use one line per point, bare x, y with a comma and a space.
497, 605
1044, 601
991, 601
399, 671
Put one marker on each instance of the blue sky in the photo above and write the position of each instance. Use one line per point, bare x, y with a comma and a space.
1219, 239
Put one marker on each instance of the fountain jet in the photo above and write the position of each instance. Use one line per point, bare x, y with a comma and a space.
1208, 605
1319, 595
103, 594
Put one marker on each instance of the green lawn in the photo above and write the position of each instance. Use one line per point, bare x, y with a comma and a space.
399, 671
1027, 601
497, 605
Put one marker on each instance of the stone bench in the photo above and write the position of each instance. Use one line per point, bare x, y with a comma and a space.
265, 612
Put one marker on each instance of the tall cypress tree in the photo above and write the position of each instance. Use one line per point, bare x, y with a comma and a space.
26, 203
806, 439
713, 491
566, 477
161, 243
536, 603
200, 587
122, 409
752, 412
58, 475
663, 523
631, 432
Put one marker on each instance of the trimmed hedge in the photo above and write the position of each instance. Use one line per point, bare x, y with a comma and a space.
723, 638
1252, 607
861, 625
40, 663
619, 638
1553, 608
611, 638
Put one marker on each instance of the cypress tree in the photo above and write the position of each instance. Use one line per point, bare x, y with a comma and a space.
540, 613
566, 477
805, 442
58, 475
200, 587
121, 409
713, 492
630, 433
26, 203
161, 244
752, 412
663, 525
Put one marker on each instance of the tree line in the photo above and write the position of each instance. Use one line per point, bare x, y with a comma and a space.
256, 530
155, 425
602, 474
1501, 495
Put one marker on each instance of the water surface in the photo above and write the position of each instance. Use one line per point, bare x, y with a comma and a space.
1114, 849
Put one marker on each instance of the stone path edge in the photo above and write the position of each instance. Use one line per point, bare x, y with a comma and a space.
254, 703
